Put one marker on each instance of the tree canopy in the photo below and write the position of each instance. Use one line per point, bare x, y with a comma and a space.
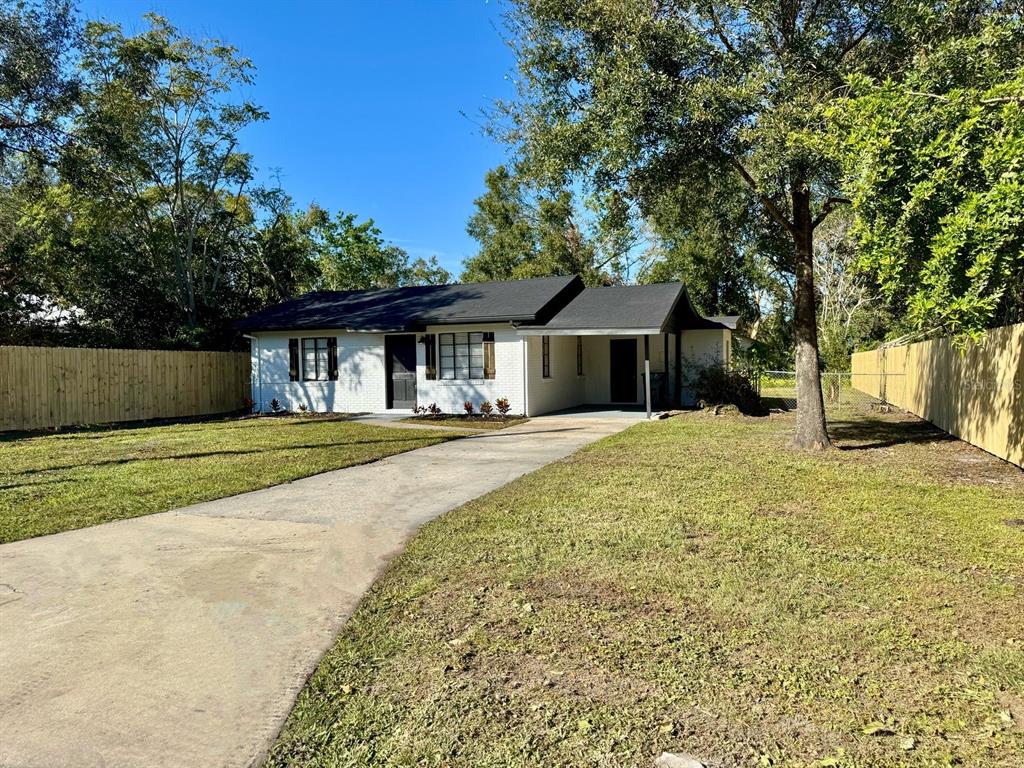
524, 234
649, 101
354, 256
934, 166
131, 213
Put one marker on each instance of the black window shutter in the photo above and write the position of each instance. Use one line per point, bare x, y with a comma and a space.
430, 358
332, 358
489, 367
293, 359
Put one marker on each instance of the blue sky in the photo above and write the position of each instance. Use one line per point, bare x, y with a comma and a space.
364, 101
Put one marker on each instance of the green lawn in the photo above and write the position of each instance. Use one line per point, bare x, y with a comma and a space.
57, 482
466, 422
694, 585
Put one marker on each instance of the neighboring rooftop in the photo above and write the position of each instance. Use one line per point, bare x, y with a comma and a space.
412, 308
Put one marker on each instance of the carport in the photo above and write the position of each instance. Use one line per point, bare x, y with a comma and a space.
633, 340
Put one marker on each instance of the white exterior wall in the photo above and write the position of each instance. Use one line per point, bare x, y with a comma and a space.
699, 350
362, 374
564, 389
702, 348
360, 387
450, 395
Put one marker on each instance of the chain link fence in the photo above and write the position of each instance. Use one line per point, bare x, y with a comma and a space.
778, 390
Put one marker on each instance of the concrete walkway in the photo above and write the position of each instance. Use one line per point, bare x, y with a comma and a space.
182, 638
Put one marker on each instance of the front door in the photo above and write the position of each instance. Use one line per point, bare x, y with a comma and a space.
622, 360
400, 352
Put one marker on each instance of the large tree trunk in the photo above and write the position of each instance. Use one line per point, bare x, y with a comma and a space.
810, 406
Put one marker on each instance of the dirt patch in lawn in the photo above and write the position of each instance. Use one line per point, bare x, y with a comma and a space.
921, 447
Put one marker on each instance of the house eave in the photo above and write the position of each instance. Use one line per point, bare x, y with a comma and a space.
540, 330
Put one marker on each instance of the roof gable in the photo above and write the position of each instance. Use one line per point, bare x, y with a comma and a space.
620, 307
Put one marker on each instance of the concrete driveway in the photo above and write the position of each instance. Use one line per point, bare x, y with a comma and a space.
182, 638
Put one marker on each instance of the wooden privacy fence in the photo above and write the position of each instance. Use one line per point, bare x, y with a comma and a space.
44, 387
976, 393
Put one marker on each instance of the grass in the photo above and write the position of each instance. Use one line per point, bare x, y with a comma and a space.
57, 482
694, 585
467, 422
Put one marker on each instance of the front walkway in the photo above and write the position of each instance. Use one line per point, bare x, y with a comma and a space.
182, 638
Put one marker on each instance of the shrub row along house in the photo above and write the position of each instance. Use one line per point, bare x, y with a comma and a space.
545, 344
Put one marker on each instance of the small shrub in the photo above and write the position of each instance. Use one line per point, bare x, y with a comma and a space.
275, 406
716, 385
419, 410
468, 407
503, 405
433, 409
303, 407
248, 404
486, 409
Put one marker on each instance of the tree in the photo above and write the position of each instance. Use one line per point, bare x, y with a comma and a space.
642, 97
712, 248
37, 85
502, 226
38, 91
524, 233
935, 161
283, 250
355, 256
158, 137
428, 272
847, 311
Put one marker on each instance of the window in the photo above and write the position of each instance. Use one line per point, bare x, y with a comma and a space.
315, 359
545, 356
579, 355
467, 355
318, 359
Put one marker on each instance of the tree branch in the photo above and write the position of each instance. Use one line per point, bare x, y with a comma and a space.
773, 209
719, 32
827, 208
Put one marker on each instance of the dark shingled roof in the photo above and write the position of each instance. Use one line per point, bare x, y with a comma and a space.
731, 322
409, 309
620, 307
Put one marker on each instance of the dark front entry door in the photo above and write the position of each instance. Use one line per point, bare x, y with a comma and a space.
622, 359
400, 352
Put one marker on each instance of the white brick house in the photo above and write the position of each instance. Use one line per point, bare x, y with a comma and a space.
544, 344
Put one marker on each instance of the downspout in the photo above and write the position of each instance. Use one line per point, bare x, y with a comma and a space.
259, 370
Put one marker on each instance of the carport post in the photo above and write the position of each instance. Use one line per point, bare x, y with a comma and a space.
647, 372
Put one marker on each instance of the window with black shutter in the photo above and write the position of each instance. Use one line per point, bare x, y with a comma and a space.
315, 359
579, 355
462, 355
545, 356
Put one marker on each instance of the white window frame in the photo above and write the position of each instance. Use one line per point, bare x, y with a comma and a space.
319, 374
460, 356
